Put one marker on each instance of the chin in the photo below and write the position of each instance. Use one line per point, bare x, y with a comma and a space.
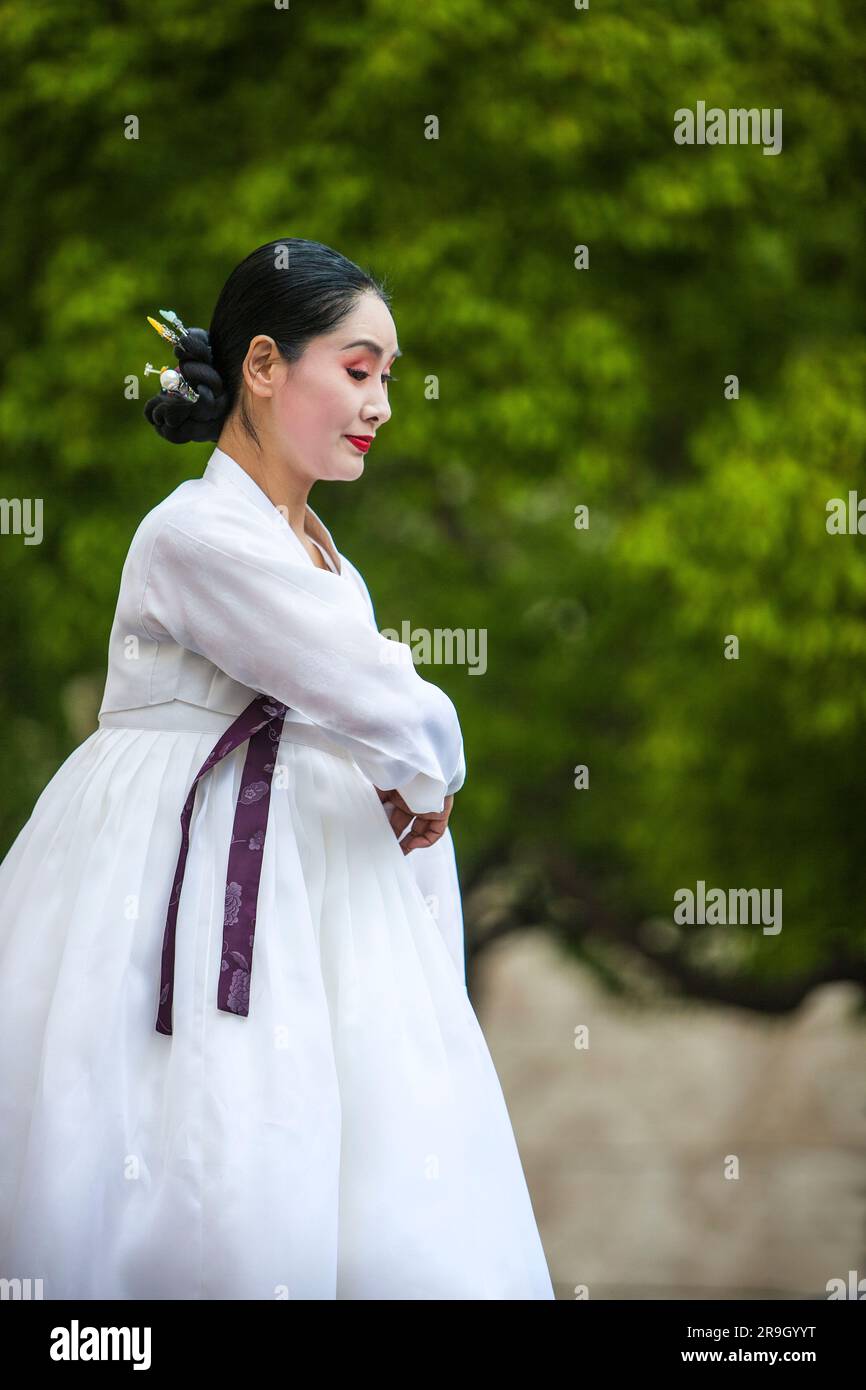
350, 471
341, 475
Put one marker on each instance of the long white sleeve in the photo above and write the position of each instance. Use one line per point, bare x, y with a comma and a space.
240, 598
460, 775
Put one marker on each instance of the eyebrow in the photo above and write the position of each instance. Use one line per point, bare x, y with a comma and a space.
368, 343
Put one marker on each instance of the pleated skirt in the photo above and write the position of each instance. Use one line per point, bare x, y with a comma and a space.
348, 1139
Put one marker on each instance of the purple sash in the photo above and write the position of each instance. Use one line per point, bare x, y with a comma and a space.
262, 723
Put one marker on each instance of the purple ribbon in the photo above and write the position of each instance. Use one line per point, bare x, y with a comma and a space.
262, 723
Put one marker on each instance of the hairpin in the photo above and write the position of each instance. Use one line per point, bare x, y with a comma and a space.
166, 333
170, 379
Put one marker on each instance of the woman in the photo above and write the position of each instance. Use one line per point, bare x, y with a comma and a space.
240, 1059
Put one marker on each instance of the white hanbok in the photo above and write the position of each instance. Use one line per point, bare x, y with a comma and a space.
348, 1136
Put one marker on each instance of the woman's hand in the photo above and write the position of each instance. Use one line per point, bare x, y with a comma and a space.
429, 825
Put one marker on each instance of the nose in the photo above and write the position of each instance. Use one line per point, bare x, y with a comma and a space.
378, 410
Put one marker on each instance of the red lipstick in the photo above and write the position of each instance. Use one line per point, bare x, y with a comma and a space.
361, 442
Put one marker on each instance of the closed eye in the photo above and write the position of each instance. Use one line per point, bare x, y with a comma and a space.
362, 376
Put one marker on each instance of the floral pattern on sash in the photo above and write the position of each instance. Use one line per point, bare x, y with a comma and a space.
262, 724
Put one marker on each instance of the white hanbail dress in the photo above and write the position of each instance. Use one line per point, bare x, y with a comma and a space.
239, 1058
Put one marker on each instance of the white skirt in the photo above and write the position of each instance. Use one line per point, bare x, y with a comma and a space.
347, 1139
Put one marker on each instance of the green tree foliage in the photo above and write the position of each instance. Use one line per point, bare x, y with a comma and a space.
555, 387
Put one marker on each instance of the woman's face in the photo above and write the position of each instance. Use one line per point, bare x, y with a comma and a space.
338, 388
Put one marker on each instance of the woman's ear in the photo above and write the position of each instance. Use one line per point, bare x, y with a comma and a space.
261, 364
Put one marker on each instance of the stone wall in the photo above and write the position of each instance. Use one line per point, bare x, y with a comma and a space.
625, 1144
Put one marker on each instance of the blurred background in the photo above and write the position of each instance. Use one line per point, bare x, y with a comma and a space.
687, 1099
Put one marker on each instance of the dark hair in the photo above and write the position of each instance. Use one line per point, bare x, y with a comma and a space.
292, 290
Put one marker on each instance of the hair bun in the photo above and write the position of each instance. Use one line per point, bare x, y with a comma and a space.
184, 422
